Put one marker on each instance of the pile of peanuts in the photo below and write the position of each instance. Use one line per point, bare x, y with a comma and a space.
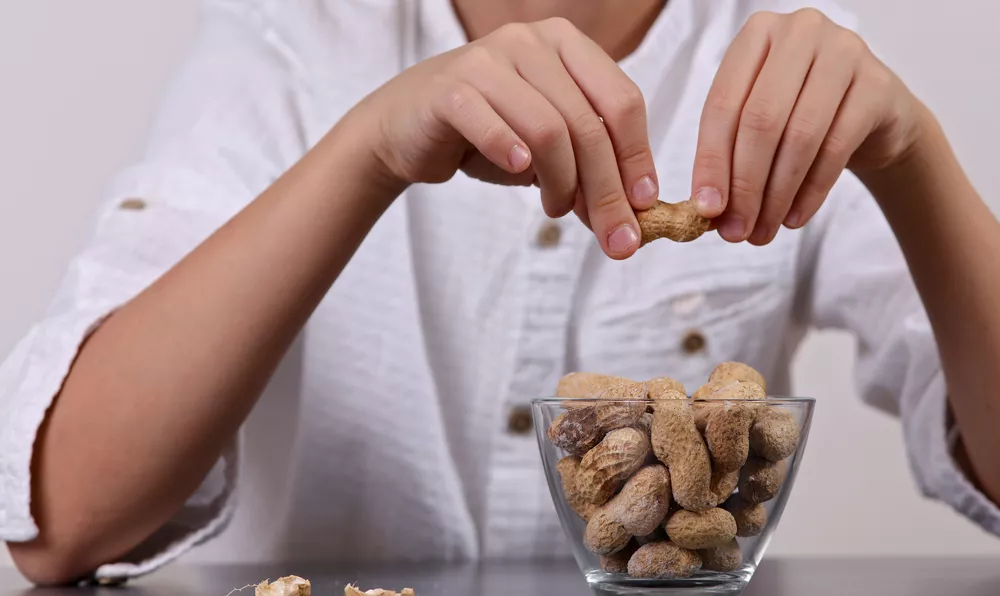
655, 479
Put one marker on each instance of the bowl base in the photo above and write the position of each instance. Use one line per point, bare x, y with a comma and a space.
715, 584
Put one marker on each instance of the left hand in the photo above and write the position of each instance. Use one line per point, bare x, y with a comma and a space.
796, 100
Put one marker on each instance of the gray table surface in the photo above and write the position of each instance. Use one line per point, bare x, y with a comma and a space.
798, 577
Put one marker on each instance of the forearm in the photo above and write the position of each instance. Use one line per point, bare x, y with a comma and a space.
951, 242
161, 387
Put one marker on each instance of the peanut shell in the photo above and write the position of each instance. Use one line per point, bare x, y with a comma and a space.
751, 518
568, 467
678, 444
643, 502
604, 535
761, 480
677, 221
659, 386
626, 410
698, 530
737, 371
727, 557
607, 466
774, 435
576, 430
663, 560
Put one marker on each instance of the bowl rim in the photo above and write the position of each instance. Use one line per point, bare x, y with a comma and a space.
770, 400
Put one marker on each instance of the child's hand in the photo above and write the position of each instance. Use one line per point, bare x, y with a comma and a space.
522, 105
796, 100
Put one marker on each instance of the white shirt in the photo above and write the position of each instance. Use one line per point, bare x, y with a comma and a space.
384, 434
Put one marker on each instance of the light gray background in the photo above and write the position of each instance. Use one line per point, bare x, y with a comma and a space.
79, 82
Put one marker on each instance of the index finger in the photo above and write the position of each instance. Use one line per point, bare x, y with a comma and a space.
617, 100
720, 118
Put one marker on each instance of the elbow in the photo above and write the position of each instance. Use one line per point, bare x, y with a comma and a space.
46, 566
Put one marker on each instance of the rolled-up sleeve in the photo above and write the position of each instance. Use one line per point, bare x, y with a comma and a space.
227, 129
860, 282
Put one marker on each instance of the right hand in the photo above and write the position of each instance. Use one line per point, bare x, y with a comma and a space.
524, 105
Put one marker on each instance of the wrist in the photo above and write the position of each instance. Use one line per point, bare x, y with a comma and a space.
354, 146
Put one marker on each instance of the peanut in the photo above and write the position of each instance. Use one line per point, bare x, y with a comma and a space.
645, 423
286, 586
663, 560
353, 591
750, 517
660, 385
728, 435
722, 485
774, 435
737, 371
618, 562
643, 502
676, 221
607, 466
576, 430
699, 530
727, 557
677, 443
760, 480
583, 385
604, 535
568, 467
626, 410
724, 389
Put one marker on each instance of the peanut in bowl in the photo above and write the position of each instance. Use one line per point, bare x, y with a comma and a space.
660, 493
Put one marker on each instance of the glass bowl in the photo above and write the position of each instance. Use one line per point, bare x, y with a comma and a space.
754, 526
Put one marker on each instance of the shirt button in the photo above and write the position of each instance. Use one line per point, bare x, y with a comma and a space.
549, 235
519, 420
694, 342
132, 205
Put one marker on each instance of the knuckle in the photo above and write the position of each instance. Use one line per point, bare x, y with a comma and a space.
835, 148
760, 116
634, 154
628, 105
801, 132
608, 202
559, 25
721, 107
745, 186
712, 160
762, 20
475, 58
458, 97
589, 131
518, 34
810, 17
547, 134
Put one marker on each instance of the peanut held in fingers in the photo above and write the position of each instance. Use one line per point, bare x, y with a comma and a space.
663, 560
679, 222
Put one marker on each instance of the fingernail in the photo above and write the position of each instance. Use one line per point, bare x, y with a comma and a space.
794, 218
623, 239
518, 157
733, 228
708, 200
760, 235
644, 190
